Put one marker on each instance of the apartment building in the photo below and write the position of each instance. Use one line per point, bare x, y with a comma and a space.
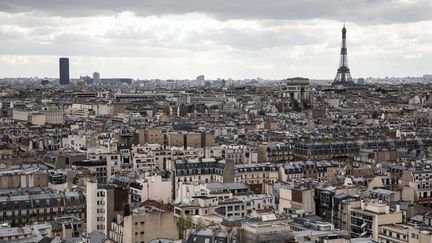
291, 171
153, 187
274, 152
404, 233
296, 198
217, 189
239, 154
96, 168
421, 181
327, 199
365, 221
39, 206
151, 157
28, 233
75, 141
199, 170
256, 175
144, 224
25, 176
103, 201
258, 202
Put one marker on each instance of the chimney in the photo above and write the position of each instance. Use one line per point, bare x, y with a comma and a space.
126, 210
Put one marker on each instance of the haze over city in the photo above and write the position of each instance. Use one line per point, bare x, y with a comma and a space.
274, 39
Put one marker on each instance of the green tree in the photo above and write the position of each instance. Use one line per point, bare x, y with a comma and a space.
185, 222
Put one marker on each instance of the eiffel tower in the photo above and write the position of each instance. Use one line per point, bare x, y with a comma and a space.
343, 76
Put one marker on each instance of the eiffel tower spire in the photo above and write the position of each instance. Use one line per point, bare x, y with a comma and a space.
343, 76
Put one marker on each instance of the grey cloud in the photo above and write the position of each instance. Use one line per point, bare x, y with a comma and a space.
244, 39
73, 45
247, 39
360, 11
283, 37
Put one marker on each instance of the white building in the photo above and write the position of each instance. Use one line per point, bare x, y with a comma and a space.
28, 233
365, 221
98, 208
152, 188
19, 115
239, 154
53, 117
257, 202
75, 142
296, 198
38, 119
101, 109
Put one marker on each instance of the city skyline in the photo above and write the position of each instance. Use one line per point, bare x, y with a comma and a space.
197, 121
170, 40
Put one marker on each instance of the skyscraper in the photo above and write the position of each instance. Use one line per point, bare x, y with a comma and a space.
64, 71
343, 76
96, 77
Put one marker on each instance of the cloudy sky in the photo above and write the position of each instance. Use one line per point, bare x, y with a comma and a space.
178, 39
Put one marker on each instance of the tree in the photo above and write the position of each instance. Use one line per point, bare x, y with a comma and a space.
185, 222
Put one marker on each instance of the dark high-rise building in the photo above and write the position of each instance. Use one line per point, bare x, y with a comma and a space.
64, 70
343, 76
96, 77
